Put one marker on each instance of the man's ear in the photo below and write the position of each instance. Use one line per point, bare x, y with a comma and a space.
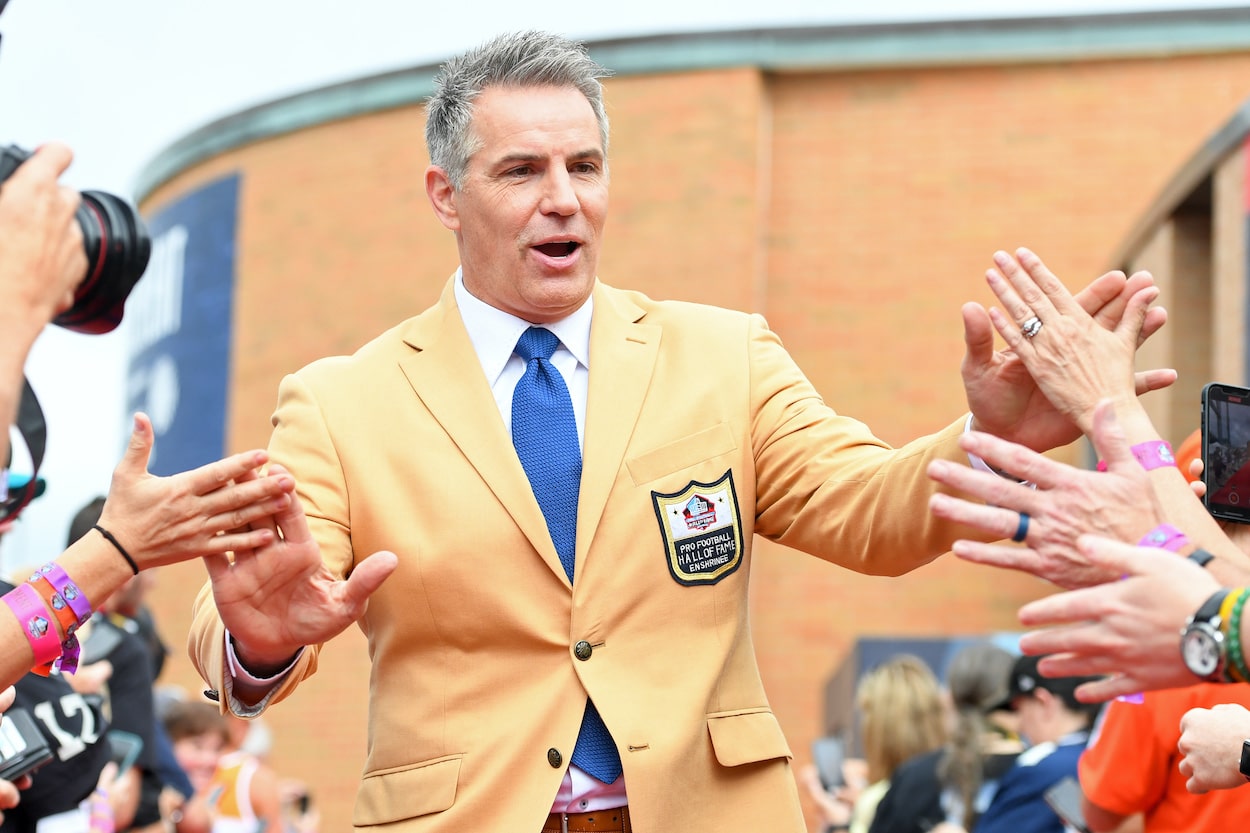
442, 196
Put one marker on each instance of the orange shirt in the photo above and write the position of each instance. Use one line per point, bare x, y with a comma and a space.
1131, 764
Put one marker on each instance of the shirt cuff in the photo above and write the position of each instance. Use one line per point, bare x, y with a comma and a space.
238, 674
980, 465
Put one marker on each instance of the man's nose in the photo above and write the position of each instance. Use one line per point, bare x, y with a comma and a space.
559, 196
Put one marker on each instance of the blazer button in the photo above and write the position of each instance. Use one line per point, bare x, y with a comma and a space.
582, 650
554, 758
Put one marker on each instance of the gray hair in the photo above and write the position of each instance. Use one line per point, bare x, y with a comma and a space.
519, 59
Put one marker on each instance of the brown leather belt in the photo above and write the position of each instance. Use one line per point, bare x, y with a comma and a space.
615, 820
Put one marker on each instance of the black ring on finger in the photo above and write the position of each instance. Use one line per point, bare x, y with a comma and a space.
1022, 530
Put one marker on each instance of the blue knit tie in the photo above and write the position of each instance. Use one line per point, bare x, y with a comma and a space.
544, 432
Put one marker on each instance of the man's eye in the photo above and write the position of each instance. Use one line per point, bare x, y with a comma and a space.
524, 170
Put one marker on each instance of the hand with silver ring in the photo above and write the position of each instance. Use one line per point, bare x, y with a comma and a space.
1022, 531
1031, 327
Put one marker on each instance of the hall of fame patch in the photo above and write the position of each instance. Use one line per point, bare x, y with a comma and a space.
701, 529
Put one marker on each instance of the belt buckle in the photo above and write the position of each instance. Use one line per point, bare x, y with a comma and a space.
564, 823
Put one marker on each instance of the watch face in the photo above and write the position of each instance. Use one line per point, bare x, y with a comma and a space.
1200, 648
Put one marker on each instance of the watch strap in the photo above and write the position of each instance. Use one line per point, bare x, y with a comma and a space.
1201, 557
1210, 610
1245, 759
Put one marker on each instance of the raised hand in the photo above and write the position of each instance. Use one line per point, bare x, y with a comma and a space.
280, 596
1041, 390
161, 520
1066, 503
1128, 629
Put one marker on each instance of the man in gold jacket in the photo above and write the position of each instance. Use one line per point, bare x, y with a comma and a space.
494, 645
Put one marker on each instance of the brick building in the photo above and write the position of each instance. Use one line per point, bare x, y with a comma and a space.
849, 183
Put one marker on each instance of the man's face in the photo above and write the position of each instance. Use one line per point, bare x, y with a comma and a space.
529, 219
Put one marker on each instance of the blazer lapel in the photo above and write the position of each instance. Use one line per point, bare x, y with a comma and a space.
622, 359
445, 374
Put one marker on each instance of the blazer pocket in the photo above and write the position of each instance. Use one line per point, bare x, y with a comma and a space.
747, 737
675, 456
402, 793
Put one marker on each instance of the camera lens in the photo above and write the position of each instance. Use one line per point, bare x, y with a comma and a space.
117, 246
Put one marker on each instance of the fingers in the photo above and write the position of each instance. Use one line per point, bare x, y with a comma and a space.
7, 697
291, 521
1017, 292
48, 161
212, 476
1108, 688
1156, 317
1147, 380
1133, 321
978, 338
1005, 556
1102, 298
995, 520
368, 576
1007, 456
139, 450
1058, 609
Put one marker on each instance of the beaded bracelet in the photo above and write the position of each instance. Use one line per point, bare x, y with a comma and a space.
1235, 652
1164, 537
31, 615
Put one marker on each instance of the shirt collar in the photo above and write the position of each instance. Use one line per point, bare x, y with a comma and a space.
494, 333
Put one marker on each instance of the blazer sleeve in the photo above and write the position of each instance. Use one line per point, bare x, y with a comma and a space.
829, 487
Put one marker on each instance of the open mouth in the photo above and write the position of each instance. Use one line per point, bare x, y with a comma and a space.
561, 249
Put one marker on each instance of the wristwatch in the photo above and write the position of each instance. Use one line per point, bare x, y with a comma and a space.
1245, 759
1202, 643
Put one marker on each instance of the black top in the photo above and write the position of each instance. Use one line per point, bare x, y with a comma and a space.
913, 804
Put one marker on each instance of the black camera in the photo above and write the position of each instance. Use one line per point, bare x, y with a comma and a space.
117, 245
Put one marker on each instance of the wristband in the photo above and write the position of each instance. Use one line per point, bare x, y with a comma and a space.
1237, 669
108, 536
1164, 537
1200, 557
1155, 454
32, 616
64, 591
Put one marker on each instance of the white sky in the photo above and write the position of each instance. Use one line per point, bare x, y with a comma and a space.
120, 80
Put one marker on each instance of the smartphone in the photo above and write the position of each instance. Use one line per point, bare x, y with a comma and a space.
1226, 451
124, 749
1064, 797
827, 753
23, 748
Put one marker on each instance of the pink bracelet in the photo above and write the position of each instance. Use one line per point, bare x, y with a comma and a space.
32, 616
1155, 454
66, 589
1164, 537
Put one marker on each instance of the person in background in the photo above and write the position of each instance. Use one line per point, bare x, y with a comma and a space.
197, 731
1056, 727
901, 715
247, 793
954, 782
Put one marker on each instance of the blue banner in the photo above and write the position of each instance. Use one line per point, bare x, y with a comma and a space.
180, 323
